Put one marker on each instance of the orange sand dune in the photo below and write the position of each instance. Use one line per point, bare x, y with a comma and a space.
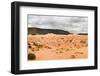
53, 46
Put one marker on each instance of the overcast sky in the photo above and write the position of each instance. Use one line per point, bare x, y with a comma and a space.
73, 24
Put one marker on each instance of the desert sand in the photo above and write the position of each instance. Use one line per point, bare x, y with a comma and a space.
53, 47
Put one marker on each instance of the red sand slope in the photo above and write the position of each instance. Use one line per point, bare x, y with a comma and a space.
52, 46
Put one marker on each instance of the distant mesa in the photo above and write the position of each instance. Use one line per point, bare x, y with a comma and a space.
82, 33
35, 31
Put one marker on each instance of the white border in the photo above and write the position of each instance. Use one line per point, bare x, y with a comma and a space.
26, 65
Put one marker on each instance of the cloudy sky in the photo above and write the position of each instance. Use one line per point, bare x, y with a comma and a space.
73, 24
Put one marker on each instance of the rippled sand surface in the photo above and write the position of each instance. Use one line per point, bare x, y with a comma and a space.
53, 46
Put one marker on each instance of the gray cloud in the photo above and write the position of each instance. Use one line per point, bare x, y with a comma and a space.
73, 24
